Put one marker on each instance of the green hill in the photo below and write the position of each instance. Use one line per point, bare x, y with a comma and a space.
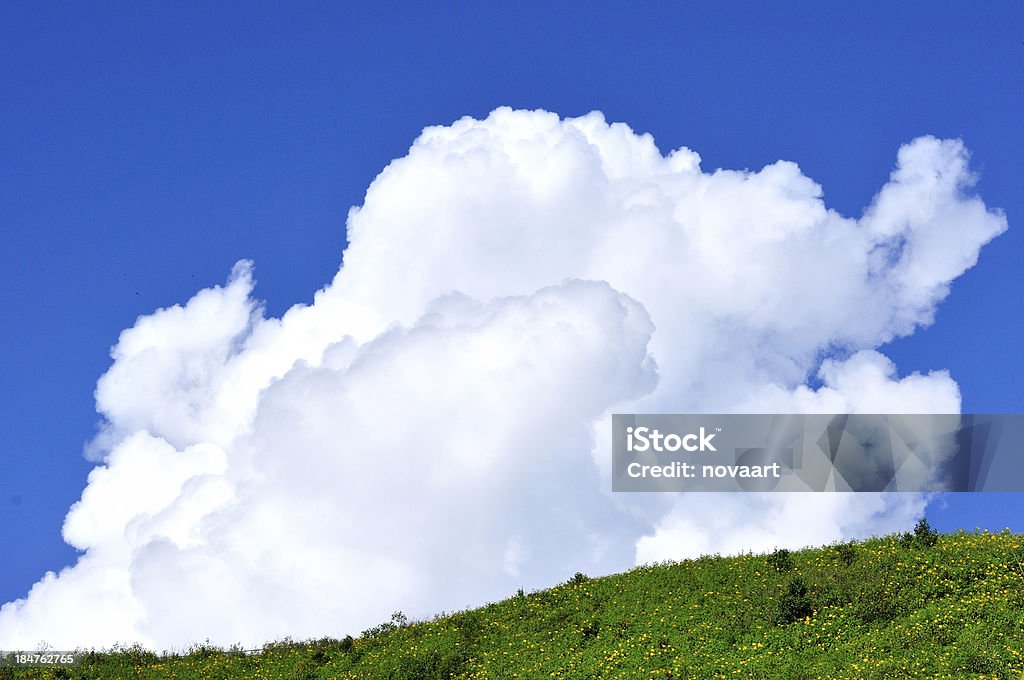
905, 606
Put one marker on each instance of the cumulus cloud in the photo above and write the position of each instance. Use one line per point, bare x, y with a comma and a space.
432, 431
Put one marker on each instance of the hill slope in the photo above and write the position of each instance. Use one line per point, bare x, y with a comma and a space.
916, 605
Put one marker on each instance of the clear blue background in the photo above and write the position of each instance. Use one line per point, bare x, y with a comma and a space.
145, 147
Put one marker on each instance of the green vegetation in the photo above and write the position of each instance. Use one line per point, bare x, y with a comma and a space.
905, 606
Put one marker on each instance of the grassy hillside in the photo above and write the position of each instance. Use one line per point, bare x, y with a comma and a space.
908, 606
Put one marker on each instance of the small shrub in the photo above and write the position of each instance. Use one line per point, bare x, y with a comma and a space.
578, 578
137, 655
847, 552
780, 560
470, 625
398, 620
876, 605
924, 535
794, 604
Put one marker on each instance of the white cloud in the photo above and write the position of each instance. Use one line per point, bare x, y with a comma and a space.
763, 522
431, 432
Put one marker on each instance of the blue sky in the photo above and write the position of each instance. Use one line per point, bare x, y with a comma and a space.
144, 148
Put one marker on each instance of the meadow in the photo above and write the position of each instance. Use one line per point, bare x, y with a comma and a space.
914, 605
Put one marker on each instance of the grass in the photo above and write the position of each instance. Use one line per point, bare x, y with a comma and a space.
905, 606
